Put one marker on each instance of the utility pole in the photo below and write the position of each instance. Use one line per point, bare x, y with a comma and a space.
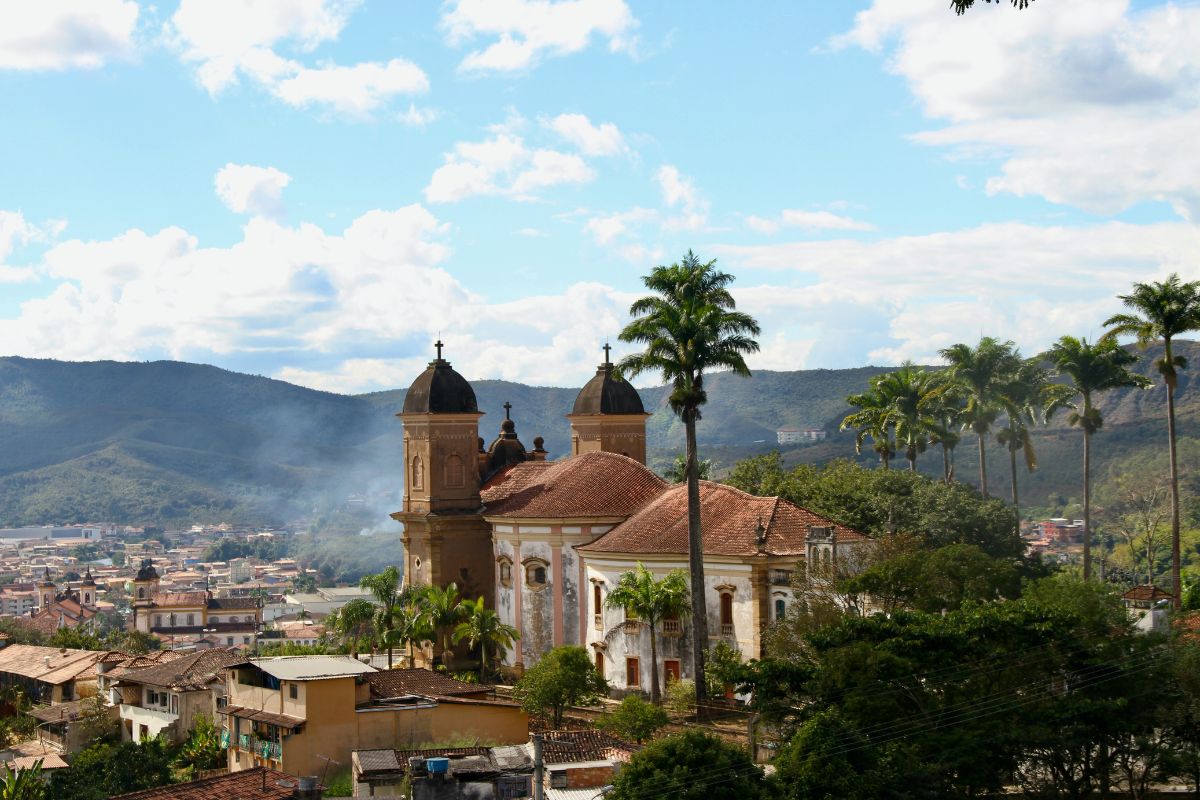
538, 767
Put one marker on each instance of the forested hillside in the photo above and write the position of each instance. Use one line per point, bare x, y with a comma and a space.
171, 443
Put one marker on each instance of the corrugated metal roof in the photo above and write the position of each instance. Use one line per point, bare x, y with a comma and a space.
310, 668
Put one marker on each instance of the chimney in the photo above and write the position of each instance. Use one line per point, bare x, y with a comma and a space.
308, 788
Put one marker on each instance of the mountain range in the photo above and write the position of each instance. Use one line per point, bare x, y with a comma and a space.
170, 443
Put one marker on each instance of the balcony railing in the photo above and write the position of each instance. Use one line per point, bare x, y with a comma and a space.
727, 629
598, 621
671, 627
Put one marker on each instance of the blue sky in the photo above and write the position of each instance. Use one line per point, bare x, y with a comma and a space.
315, 189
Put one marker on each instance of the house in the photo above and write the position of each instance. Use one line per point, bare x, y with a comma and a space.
258, 783
1149, 607
572, 761
798, 435
294, 713
543, 542
187, 617
72, 726
48, 674
168, 697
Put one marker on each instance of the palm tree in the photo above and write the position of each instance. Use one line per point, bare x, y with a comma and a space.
980, 372
445, 610
875, 418
947, 409
1025, 399
482, 628
689, 326
1163, 310
353, 623
23, 784
911, 392
651, 601
413, 626
1091, 368
385, 588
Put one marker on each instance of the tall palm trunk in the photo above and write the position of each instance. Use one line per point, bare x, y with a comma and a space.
696, 565
946, 472
1176, 586
1087, 504
483, 658
982, 466
655, 693
1012, 464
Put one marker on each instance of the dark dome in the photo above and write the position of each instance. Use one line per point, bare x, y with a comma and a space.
147, 572
505, 450
604, 394
440, 390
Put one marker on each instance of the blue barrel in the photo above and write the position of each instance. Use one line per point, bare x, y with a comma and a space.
437, 766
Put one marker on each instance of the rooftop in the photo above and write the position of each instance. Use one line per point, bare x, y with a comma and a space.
48, 664
308, 668
191, 672
600, 485
400, 682
258, 783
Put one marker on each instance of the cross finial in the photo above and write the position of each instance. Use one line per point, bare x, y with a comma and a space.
507, 408
607, 349
438, 345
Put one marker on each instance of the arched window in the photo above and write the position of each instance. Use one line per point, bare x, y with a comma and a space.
418, 473
454, 471
141, 593
505, 571
535, 573
780, 608
726, 613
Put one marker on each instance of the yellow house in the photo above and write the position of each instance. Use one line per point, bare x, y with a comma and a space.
300, 714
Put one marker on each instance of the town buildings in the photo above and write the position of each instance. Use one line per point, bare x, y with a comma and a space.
193, 616
296, 713
544, 542
167, 698
799, 435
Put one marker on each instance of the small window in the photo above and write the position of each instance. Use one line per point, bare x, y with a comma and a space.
535, 573
780, 608
245, 640
191, 619
600, 662
505, 573
293, 692
558, 779
229, 641
633, 673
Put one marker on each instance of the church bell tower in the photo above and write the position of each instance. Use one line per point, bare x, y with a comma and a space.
608, 416
445, 537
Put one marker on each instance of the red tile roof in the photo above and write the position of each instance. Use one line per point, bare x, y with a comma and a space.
193, 671
729, 520
399, 682
181, 599
588, 485
568, 747
258, 782
1148, 594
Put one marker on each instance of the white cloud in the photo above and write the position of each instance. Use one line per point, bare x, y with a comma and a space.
525, 31
1086, 102
679, 192
592, 140
503, 165
66, 34
1024, 282
247, 189
607, 228
417, 117
16, 231
807, 220
230, 39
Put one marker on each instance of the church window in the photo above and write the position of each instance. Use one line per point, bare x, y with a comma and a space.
633, 673
454, 471
141, 593
726, 613
505, 570
535, 573
418, 473
598, 605
780, 608
600, 662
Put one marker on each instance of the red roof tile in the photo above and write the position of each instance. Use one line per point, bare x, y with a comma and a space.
1147, 593
588, 485
181, 599
399, 682
729, 520
258, 782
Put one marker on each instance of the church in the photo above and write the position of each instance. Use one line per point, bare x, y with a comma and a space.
543, 541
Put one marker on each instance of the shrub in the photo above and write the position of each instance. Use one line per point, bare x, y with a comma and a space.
634, 719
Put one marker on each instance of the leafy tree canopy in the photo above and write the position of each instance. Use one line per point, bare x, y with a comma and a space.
565, 676
634, 720
691, 766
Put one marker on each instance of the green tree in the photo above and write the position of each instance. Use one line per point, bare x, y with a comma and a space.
1026, 398
875, 418
564, 676
353, 624
634, 719
103, 770
202, 749
482, 628
651, 601
385, 588
981, 372
1090, 369
943, 579
691, 766
445, 610
689, 326
677, 472
827, 758
947, 409
912, 394
1163, 311
22, 784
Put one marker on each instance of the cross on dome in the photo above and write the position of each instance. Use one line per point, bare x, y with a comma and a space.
507, 408
607, 349
438, 345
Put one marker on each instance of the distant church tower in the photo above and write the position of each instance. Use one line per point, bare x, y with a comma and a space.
608, 416
87, 590
445, 537
47, 591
